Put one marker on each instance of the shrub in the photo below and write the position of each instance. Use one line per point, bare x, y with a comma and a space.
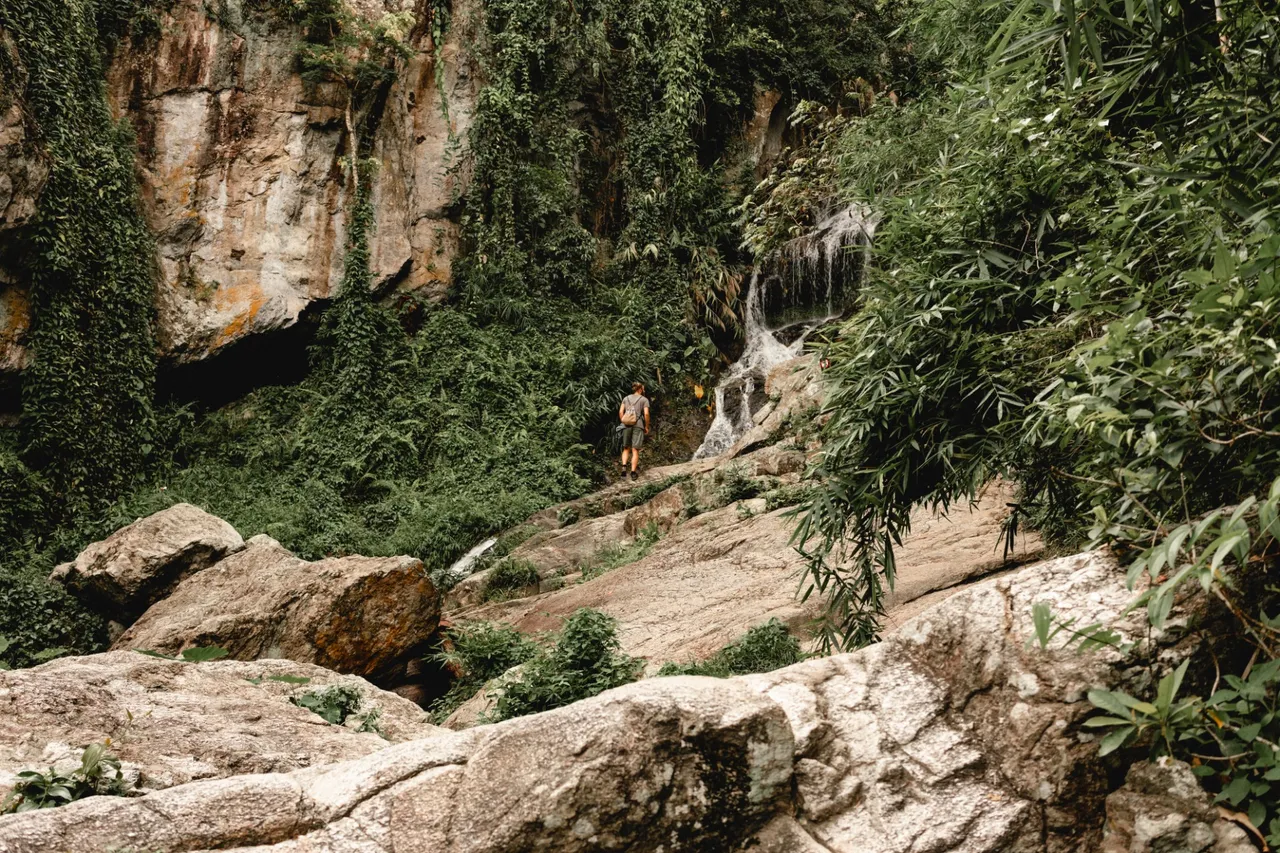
511, 539
480, 651
764, 648
648, 491
509, 577
98, 775
735, 484
787, 496
614, 556
38, 617
336, 704
586, 660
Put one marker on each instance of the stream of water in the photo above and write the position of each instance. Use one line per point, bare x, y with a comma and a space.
805, 292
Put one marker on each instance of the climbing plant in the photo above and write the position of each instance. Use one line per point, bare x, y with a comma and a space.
341, 45
87, 393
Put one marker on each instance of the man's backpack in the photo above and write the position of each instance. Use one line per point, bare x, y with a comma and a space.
629, 415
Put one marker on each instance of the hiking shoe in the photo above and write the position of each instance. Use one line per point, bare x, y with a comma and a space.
635, 475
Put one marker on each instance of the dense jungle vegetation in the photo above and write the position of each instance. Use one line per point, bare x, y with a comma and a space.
1073, 286
601, 244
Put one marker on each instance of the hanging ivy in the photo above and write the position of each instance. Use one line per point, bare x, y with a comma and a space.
87, 395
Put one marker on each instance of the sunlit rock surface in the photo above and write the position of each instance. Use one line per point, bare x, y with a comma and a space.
172, 722
241, 179
956, 733
363, 615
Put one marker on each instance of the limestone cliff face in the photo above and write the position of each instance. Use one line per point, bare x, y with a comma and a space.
240, 169
240, 176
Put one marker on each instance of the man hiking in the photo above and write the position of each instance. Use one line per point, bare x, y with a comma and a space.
634, 415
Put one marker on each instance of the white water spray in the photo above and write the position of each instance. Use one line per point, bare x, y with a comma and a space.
465, 565
819, 259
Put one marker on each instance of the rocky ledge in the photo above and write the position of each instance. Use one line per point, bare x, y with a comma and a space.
954, 734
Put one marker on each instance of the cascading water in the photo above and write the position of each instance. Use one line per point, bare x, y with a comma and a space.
802, 296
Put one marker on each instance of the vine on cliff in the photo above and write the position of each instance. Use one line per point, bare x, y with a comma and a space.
87, 395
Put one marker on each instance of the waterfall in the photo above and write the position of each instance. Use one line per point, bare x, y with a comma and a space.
465, 564
803, 295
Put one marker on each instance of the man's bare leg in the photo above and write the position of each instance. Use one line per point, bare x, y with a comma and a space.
626, 451
635, 459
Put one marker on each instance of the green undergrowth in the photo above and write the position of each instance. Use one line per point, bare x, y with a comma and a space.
584, 660
98, 775
508, 577
764, 648
616, 555
1073, 283
477, 653
581, 661
339, 703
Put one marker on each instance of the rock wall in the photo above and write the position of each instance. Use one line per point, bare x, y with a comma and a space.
239, 167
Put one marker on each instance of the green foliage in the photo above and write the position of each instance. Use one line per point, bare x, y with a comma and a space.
1071, 286
507, 577
37, 615
98, 775
1085, 638
1233, 737
336, 704
735, 483
788, 495
586, 660
614, 556
87, 416
196, 654
612, 207
764, 648
477, 653
646, 492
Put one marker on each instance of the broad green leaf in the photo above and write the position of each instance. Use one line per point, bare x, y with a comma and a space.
1109, 701
1236, 791
1115, 740
201, 654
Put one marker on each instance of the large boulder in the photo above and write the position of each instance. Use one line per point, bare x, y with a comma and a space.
140, 564
714, 576
172, 722
363, 615
955, 734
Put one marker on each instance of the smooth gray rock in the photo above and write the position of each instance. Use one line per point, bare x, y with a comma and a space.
139, 564
172, 722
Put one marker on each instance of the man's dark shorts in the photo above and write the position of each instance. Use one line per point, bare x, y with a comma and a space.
632, 436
